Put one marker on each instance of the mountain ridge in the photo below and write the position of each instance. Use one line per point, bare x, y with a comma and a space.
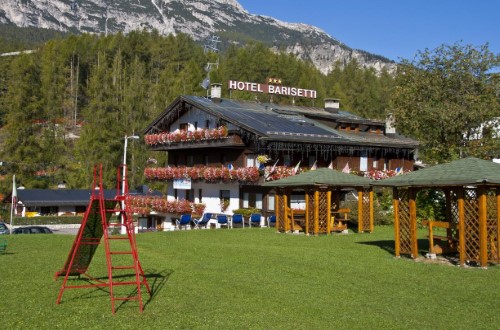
197, 18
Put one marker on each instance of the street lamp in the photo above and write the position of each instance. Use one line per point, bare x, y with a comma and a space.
124, 176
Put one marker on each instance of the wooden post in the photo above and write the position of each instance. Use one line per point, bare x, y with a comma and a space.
413, 222
483, 232
329, 215
498, 223
371, 210
316, 212
395, 203
461, 226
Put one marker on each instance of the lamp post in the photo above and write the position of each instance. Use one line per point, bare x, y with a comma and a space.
124, 178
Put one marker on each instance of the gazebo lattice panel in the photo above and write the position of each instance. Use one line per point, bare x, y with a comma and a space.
454, 216
405, 237
281, 206
492, 223
310, 211
365, 214
471, 225
324, 211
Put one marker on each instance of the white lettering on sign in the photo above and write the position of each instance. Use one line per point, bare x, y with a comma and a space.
271, 89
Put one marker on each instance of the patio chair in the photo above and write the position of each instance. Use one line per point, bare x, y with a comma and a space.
254, 219
203, 221
222, 220
184, 221
238, 219
271, 221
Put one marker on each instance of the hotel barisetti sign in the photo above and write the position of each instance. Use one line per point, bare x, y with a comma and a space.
273, 87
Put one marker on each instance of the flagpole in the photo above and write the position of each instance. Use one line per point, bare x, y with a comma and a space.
14, 192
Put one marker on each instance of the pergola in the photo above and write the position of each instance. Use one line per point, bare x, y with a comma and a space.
472, 192
322, 189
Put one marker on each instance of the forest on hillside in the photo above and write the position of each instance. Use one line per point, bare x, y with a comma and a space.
103, 88
69, 105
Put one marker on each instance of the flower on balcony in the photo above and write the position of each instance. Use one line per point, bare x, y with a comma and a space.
206, 173
272, 173
186, 136
262, 159
147, 204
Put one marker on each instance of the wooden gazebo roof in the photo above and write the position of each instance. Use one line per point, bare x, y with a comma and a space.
462, 172
472, 193
321, 176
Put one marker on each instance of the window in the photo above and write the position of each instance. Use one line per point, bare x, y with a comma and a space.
207, 123
363, 161
190, 195
205, 160
200, 195
225, 198
271, 201
189, 160
251, 199
183, 126
298, 201
251, 160
287, 160
223, 159
195, 125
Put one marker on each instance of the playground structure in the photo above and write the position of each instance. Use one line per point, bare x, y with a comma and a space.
102, 217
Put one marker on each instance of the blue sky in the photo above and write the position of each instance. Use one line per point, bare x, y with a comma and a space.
392, 28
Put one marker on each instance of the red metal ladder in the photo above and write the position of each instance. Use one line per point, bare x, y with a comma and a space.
96, 224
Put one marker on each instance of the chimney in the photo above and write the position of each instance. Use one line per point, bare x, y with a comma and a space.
332, 105
389, 124
215, 92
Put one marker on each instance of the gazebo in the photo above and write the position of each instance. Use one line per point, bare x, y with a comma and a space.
471, 188
322, 189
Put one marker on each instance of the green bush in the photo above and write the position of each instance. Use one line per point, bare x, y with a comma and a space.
47, 220
246, 212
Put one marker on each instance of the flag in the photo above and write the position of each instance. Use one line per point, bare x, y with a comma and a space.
346, 168
399, 170
296, 169
230, 166
14, 194
331, 165
314, 166
267, 174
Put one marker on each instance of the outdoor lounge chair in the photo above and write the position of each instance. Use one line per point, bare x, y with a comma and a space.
254, 219
222, 220
184, 221
238, 219
203, 221
271, 221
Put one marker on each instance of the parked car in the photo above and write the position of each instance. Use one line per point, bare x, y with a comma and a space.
32, 230
3, 228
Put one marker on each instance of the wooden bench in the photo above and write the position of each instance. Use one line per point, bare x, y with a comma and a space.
439, 244
339, 219
298, 220
3, 245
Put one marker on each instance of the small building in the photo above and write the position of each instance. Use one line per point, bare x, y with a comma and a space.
221, 151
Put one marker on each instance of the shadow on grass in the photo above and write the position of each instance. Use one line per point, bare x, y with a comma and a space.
156, 281
386, 245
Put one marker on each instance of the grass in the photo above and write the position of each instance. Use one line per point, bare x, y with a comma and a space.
252, 279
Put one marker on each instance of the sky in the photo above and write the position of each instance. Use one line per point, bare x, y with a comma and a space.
396, 29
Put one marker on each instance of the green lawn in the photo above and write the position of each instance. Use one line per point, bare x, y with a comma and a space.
252, 279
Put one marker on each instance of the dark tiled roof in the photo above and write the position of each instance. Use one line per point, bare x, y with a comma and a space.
462, 172
289, 123
61, 197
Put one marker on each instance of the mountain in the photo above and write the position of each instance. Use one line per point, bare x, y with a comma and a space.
200, 19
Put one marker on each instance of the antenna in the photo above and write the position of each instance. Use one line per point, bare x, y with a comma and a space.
210, 46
